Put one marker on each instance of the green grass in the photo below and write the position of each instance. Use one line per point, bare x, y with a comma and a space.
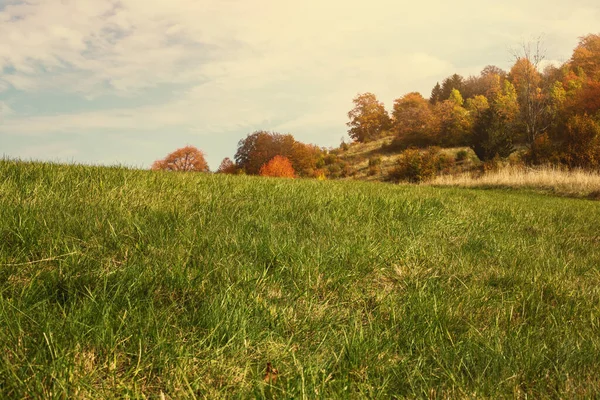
125, 283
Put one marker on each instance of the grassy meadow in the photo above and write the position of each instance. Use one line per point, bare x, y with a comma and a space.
122, 283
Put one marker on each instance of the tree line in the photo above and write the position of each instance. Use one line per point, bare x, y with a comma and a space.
260, 153
553, 114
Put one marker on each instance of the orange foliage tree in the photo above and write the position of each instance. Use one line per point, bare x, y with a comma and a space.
368, 118
187, 158
279, 166
414, 122
587, 56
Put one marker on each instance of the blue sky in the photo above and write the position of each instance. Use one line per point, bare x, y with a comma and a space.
126, 82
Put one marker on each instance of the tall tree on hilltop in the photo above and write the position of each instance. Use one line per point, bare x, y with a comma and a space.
368, 118
436, 94
587, 56
533, 99
187, 158
483, 84
494, 126
414, 121
454, 123
492, 69
452, 82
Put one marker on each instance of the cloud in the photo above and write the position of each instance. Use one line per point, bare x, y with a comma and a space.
276, 64
5, 110
58, 151
121, 47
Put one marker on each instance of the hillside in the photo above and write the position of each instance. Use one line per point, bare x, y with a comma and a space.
126, 283
357, 155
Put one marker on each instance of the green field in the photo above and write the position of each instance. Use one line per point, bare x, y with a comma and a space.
125, 283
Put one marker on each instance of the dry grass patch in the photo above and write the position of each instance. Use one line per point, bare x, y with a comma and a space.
577, 183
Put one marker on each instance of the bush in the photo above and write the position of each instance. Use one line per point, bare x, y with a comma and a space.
418, 166
374, 170
334, 170
375, 161
542, 151
330, 159
404, 142
462, 155
347, 170
581, 148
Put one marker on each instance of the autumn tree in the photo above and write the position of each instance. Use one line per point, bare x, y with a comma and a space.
454, 123
436, 94
187, 158
587, 56
414, 122
454, 81
227, 167
306, 159
588, 100
485, 84
533, 99
581, 142
494, 128
368, 118
280, 167
260, 147
476, 106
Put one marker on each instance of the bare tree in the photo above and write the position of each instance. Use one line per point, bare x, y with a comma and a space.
526, 77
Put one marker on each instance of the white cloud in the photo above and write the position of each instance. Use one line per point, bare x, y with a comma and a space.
58, 151
248, 62
5, 111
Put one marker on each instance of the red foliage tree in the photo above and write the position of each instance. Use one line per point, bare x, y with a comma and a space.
187, 158
279, 166
227, 167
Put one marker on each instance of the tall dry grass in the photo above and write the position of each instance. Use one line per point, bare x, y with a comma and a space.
578, 183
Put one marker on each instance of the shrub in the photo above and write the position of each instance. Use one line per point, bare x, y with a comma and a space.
462, 155
334, 170
375, 161
542, 151
320, 174
347, 170
330, 159
581, 143
373, 170
418, 166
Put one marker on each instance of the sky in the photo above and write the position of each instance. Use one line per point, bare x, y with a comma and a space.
128, 81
